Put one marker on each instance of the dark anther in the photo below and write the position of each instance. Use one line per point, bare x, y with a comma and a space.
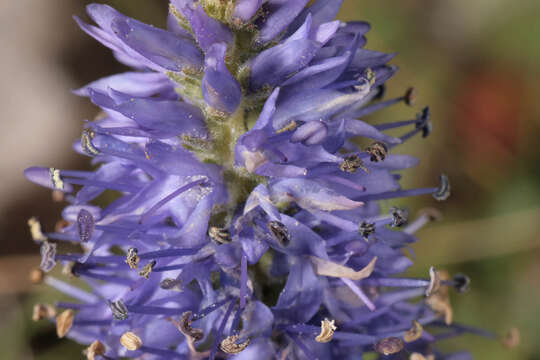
119, 309
169, 284
184, 325
444, 189
147, 269
424, 123
400, 217
132, 259
352, 163
389, 346
85, 225
365, 229
377, 150
410, 96
219, 235
462, 283
280, 232
381, 91
86, 142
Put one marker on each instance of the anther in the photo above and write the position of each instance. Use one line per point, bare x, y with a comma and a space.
418, 356
229, 345
462, 283
48, 254
400, 217
289, 127
352, 163
365, 229
43, 311
70, 268
377, 151
64, 322
118, 309
444, 189
132, 259
512, 338
410, 96
86, 142
56, 180
36, 276
389, 346
327, 331
434, 282
424, 123
170, 284
85, 225
131, 341
414, 333
184, 325
147, 269
280, 232
219, 235
35, 230
97, 348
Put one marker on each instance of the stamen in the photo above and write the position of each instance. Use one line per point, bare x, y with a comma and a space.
147, 269
512, 338
71, 290
377, 151
389, 346
243, 281
36, 276
229, 345
217, 339
132, 259
352, 163
171, 284
280, 232
85, 225
400, 217
35, 230
119, 309
207, 310
358, 292
97, 348
86, 142
184, 325
414, 333
219, 235
327, 331
131, 341
64, 322
461, 282
425, 216
289, 127
170, 197
48, 254
365, 229
43, 311
56, 180
408, 98
434, 282
425, 124
444, 189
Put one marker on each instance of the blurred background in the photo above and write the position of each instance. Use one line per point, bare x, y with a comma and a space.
476, 63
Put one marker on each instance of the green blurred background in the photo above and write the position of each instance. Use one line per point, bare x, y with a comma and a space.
476, 63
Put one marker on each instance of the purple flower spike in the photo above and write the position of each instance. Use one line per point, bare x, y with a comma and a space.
238, 215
